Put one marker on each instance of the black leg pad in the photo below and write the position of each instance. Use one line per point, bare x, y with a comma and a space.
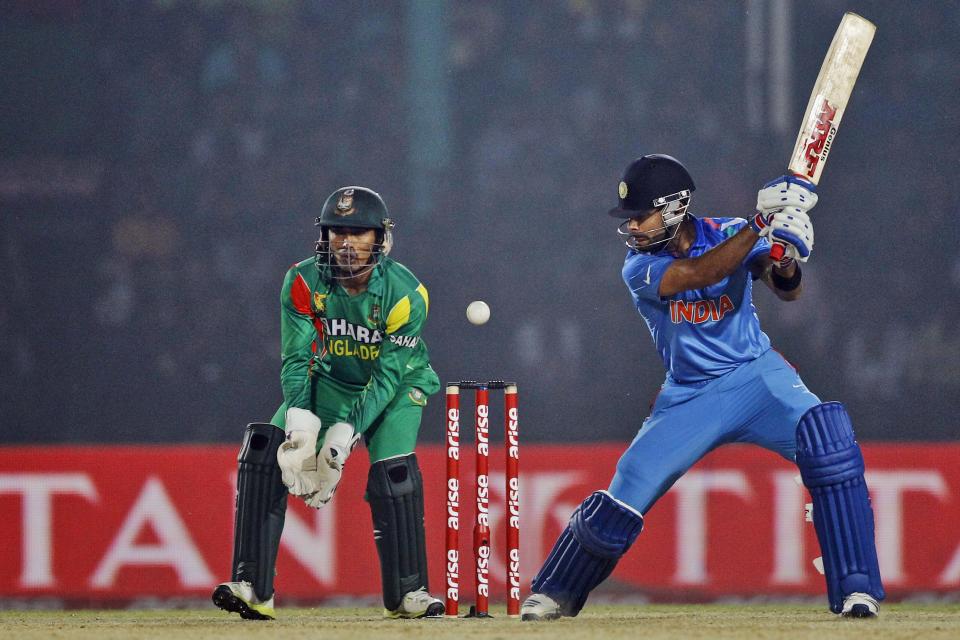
261, 506
395, 492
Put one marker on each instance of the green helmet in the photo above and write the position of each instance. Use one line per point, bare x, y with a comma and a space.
354, 207
359, 208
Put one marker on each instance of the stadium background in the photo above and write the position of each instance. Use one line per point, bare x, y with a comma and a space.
161, 164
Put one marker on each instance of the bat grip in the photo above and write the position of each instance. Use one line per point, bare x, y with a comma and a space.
777, 249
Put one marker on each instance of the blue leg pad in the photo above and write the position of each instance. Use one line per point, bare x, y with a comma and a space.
831, 465
599, 532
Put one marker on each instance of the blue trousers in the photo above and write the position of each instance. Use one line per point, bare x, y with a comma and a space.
759, 402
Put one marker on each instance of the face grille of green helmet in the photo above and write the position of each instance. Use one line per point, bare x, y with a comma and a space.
353, 208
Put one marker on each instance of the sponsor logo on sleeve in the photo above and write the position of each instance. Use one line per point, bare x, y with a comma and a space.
405, 341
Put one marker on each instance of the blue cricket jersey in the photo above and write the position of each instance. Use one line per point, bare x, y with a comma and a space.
704, 333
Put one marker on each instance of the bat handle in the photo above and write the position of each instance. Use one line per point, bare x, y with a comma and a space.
777, 249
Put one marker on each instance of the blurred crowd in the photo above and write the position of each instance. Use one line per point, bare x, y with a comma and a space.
146, 308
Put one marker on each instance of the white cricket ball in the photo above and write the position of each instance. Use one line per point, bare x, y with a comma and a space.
478, 312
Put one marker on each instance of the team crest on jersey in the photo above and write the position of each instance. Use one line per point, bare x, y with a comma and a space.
374, 317
320, 302
345, 204
417, 397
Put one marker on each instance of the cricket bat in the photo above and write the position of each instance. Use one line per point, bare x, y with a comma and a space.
828, 101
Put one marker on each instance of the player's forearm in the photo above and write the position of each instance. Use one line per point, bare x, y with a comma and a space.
295, 382
298, 343
710, 268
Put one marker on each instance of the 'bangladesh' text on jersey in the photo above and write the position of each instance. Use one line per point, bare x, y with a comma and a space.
704, 333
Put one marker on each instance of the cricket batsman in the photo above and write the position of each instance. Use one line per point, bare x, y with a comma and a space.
691, 280
353, 367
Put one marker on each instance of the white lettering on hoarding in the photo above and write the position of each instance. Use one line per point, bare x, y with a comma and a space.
314, 544
886, 492
310, 537
153, 508
951, 575
545, 515
789, 554
692, 490
37, 491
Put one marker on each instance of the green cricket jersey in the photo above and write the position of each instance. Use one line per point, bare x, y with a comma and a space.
366, 347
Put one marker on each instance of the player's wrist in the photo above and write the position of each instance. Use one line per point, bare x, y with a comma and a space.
338, 442
785, 266
785, 282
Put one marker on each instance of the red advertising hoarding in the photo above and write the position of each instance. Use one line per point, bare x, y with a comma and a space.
115, 524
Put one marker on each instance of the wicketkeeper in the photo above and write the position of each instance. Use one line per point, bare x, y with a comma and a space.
354, 367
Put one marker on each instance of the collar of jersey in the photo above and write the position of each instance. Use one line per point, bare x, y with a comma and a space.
374, 284
699, 244
697, 248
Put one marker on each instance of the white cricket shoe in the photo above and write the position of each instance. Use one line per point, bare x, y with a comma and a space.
238, 597
539, 607
860, 605
417, 604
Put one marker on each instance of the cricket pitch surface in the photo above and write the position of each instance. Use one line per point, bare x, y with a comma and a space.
600, 621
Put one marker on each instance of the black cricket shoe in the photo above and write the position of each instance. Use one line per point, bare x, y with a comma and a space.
238, 597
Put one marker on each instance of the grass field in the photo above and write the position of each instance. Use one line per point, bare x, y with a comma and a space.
611, 621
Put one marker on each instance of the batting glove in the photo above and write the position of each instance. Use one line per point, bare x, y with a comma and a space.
794, 229
786, 192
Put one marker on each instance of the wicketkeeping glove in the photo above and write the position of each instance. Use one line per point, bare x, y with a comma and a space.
297, 455
338, 442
